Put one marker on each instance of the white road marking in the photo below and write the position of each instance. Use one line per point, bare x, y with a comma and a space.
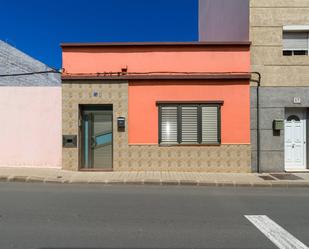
279, 236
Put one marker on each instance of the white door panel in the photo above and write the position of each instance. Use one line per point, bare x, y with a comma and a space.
295, 139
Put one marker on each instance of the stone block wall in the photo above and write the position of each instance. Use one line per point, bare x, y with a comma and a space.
224, 158
282, 77
267, 18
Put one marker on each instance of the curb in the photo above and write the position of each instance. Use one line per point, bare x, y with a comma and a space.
48, 180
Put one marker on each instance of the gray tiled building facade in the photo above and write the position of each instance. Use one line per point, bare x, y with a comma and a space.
279, 35
284, 90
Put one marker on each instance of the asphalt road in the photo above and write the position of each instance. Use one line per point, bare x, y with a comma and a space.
97, 216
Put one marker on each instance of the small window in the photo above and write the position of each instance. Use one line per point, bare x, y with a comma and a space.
189, 124
287, 52
295, 43
300, 52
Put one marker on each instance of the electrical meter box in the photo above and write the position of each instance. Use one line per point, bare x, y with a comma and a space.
121, 123
278, 124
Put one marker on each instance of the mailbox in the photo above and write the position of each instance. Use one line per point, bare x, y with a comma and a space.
278, 124
69, 141
121, 123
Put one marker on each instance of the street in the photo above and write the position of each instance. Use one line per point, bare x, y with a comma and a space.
37, 216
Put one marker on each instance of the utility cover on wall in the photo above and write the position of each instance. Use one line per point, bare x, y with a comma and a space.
69, 141
121, 123
278, 124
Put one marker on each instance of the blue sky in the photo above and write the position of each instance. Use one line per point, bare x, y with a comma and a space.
37, 27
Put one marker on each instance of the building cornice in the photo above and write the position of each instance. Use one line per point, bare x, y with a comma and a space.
155, 44
210, 76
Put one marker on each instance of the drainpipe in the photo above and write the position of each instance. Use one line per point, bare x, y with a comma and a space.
258, 149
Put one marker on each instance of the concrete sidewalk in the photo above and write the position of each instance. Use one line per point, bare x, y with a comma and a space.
157, 178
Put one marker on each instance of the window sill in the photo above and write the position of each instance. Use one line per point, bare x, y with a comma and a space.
294, 53
190, 145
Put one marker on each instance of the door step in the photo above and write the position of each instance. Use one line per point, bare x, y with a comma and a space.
291, 170
286, 176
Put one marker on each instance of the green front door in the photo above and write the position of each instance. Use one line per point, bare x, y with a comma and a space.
97, 137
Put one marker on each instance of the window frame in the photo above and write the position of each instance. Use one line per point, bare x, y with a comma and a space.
199, 106
295, 29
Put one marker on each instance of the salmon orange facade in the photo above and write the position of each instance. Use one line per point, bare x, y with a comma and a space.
156, 106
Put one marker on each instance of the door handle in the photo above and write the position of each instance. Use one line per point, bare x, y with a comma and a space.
93, 142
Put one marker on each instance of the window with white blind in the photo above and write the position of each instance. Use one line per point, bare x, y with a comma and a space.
295, 43
169, 124
189, 124
209, 124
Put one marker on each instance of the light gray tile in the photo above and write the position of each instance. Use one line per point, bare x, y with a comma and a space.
253, 138
253, 118
272, 161
13, 61
267, 115
269, 142
283, 96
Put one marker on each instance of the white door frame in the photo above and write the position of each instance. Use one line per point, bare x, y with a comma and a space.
293, 140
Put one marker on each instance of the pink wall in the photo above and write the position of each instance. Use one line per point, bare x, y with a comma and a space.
89, 60
30, 121
143, 112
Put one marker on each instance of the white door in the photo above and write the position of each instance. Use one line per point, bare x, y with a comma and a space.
295, 139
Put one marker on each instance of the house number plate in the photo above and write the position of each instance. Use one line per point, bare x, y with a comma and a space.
297, 100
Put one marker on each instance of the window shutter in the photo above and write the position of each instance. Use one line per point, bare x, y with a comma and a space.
295, 41
169, 124
189, 131
210, 124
